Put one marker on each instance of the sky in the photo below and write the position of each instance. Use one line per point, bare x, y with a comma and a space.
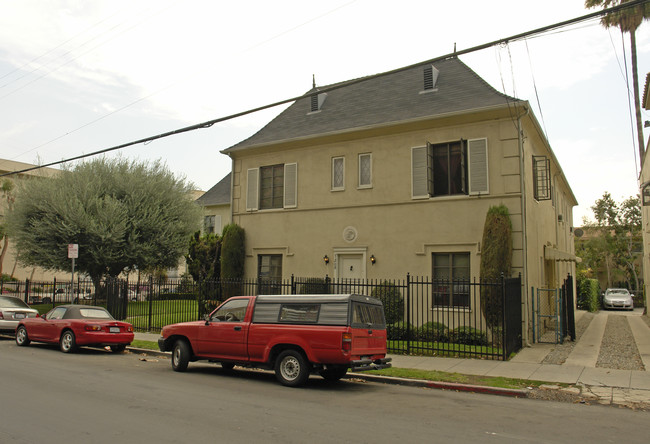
80, 76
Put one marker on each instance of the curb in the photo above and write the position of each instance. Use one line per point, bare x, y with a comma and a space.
515, 393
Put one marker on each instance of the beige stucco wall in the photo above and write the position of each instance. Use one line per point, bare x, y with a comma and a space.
399, 231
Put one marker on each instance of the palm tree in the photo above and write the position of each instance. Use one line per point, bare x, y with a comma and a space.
627, 20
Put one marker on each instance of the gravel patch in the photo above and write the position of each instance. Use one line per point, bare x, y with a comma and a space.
561, 352
618, 349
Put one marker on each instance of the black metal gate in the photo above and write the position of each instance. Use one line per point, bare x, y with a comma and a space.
512, 316
116, 298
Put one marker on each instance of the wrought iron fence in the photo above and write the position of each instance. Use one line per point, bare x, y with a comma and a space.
427, 317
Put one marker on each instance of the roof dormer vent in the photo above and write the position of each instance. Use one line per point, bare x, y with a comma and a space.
430, 77
317, 101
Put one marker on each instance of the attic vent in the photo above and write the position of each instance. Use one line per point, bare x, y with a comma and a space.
317, 101
430, 77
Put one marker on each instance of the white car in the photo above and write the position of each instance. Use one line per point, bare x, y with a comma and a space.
12, 311
618, 298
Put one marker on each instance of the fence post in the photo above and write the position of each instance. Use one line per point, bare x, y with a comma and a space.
408, 313
54, 293
27, 291
150, 302
503, 317
293, 285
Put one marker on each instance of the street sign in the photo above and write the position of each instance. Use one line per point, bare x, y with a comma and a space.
73, 251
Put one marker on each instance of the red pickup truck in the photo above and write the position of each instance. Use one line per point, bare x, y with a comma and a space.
293, 334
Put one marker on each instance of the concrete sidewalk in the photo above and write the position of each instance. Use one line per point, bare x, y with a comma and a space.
579, 369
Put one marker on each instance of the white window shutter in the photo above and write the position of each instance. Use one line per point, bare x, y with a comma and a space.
252, 189
217, 225
419, 180
478, 166
290, 185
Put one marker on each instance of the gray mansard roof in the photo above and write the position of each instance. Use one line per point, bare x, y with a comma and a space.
392, 98
217, 195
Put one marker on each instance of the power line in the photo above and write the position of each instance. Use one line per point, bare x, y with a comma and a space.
209, 123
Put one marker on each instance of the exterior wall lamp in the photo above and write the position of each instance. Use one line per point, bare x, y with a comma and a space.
372, 259
326, 259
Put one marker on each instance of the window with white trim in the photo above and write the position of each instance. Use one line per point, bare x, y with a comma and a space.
338, 173
365, 170
271, 187
451, 280
450, 168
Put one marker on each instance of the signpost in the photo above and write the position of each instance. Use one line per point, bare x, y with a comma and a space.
73, 253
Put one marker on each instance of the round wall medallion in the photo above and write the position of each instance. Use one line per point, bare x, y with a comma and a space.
350, 234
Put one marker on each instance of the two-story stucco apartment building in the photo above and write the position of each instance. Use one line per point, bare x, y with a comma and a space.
394, 174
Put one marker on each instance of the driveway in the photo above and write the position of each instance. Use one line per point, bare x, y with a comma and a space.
605, 339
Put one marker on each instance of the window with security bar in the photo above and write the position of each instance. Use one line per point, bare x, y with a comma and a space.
542, 178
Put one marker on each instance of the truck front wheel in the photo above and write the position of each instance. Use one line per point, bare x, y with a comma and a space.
180, 356
291, 368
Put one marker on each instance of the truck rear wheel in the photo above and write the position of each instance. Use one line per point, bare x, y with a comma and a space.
333, 373
180, 356
291, 368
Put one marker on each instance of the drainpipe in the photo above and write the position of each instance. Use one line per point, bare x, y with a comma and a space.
524, 276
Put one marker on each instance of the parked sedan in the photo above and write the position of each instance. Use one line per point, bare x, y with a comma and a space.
72, 326
618, 298
12, 311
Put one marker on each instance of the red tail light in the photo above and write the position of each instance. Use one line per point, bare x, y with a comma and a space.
346, 343
129, 328
93, 328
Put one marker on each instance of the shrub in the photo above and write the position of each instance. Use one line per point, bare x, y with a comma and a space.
391, 298
468, 336
496, 259
433, 332
399, 331
233, 254
588, 294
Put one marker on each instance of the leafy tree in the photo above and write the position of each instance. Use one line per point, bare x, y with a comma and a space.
496, 259
204, 256
124, 215
233, 254
7, 189
614, 243
627, 20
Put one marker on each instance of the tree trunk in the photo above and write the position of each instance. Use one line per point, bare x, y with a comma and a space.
637, 101
4, 252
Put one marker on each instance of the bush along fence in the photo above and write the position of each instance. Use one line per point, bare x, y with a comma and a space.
423, 316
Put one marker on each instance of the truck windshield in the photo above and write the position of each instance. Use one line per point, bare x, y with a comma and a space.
367, 316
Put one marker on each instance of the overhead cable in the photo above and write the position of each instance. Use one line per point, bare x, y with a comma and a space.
209, 123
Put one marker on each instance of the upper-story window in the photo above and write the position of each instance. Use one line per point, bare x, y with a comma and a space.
338, 173
365, 170
542, 178
451, 168
273, 186
208, 224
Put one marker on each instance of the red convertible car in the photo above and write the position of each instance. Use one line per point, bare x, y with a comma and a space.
71, 326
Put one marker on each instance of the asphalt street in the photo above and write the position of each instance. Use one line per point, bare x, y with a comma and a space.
99, 397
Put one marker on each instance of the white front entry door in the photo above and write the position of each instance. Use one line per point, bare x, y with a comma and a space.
350, 266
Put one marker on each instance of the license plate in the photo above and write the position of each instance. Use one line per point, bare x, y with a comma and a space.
19, 316
114, 329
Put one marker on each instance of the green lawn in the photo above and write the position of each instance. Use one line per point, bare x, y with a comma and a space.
162, 313
443, 348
